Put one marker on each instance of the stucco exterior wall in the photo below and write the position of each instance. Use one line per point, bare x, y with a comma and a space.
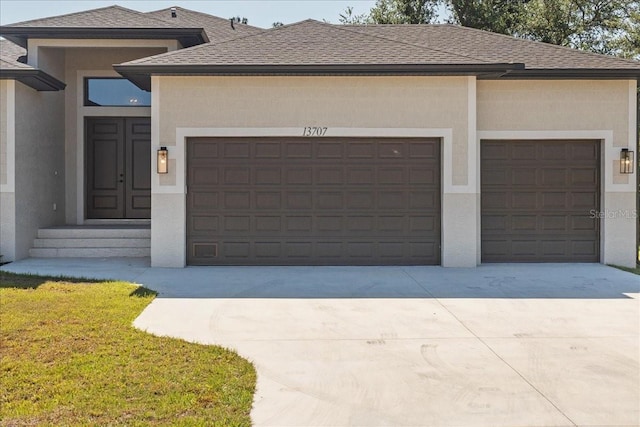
79, 62
578, 109
39, 183
249, 104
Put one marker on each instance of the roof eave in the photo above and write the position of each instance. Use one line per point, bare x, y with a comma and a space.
575, 73
186, 36
36, 79
141, 74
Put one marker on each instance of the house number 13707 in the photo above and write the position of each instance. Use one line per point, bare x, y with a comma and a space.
314, 131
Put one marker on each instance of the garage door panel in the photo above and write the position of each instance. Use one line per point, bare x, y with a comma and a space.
391, 150
583, 177
203, 200
330, 150
268, 176
392, 200
541, 210
299, 176
205, 150
298, 224
268, 224
553, 177
299, 200
205, 224
584, 223
524, 176
524, 200
584, 201
361, 150
203, 176
237, 200
236, 176
495, 176
329, 176
556, 200
361, 176
324, 201
522, 151
419, 150
268, 200
268, 150
425, 176
391, 176
236, 150
298, 150
523, 223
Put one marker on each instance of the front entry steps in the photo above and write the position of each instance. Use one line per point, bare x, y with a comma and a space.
92, 241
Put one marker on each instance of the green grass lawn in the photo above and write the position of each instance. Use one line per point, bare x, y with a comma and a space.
630, 270
69, 356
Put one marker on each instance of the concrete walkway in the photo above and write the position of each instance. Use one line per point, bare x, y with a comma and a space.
500, 345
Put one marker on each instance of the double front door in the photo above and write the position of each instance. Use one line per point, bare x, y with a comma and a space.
118, 168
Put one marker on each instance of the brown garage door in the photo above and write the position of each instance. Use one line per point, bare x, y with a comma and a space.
313, 201
539, 200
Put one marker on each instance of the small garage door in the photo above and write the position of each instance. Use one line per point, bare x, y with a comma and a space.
539, 200
313, 201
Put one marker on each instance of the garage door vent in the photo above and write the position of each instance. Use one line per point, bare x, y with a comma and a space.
205, 250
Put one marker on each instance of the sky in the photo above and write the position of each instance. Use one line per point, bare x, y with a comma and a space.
260, 13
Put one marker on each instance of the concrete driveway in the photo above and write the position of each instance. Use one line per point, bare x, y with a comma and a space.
500, 345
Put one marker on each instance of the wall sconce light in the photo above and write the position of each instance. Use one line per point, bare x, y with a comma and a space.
626, 161
163, 160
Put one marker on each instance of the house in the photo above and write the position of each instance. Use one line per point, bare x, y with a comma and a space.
311, 144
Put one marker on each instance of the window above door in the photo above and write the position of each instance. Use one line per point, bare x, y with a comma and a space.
114, 92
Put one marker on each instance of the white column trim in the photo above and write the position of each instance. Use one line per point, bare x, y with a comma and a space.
633, 115
10, 100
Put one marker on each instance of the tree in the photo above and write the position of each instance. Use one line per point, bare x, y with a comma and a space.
347, 17
628, 44
394, 12
602, 26
498, 16
238, 20
595, 25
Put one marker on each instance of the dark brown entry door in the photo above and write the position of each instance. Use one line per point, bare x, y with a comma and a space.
118, 168
540, 201
313, 201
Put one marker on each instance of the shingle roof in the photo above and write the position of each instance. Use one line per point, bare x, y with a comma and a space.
9, 54
106, 17
495, 47
217, 29
11, 68
104, 23
309, 43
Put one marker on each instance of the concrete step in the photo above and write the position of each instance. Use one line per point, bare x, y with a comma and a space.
91, 242
89, 252
95, 232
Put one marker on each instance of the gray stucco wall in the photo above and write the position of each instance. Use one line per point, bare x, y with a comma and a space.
39, 171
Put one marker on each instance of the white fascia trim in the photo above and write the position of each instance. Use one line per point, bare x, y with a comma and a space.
10, 100
33, 45
178, 153
610, 153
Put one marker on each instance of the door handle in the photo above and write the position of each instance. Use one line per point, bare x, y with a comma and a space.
121, 178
